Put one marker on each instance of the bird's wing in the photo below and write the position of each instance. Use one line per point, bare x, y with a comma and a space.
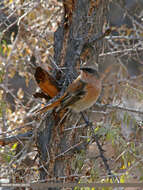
75, 92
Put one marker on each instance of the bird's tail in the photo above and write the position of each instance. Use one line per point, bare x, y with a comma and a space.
48, 107
51, 106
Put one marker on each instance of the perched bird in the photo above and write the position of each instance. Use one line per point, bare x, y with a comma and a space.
81, 94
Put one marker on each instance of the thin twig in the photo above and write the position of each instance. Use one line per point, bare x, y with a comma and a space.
13, 139
129, 50
69, 149
26, 125
101, 151
124, 37
119, 108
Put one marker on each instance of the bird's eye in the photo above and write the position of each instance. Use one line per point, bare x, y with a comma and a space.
90, 71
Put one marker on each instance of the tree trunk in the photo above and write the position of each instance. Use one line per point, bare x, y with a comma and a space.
83, 21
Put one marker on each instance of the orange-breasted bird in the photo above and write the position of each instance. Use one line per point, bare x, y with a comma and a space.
81, 94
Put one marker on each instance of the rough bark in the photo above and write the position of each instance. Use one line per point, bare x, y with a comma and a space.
83, 21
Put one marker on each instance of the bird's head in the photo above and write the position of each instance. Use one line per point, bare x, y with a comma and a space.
89, 73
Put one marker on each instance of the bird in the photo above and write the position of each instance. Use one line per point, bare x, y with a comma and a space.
81, 94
